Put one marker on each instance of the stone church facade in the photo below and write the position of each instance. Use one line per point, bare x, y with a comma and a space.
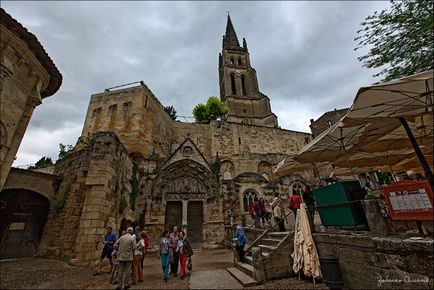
134, 165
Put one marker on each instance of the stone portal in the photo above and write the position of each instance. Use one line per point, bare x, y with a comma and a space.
22, 218
195, 223
173, 214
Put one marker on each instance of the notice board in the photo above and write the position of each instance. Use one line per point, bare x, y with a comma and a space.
409, 200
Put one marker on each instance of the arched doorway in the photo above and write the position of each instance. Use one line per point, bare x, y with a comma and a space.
186, 188
22, 218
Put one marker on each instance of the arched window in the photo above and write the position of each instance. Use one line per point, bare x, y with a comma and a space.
243, 84
240, 61
249, 196
227, 175
234, 91
232, 60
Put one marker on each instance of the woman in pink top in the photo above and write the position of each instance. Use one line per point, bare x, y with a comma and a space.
294, 202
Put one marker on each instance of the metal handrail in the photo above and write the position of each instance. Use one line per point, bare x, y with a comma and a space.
265, 232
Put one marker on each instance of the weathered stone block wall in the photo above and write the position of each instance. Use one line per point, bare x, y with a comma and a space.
95, 180
326, 120
65, 207
364, 260
23, 78
136, 116
279, 263
248, 145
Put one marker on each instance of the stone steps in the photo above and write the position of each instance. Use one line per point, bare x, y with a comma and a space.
246, 268
243, 272
271, 241
242, 277
277, 234
267, 249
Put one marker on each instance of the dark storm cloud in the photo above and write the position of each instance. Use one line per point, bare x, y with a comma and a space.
302, 52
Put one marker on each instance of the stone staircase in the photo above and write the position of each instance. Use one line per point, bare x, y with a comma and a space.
268, 257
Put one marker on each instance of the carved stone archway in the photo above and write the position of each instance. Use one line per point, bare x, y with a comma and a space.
192, 184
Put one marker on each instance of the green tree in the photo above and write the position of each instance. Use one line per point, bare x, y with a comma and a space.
170, 110
42, 163
65, 150
400, 39
212, 110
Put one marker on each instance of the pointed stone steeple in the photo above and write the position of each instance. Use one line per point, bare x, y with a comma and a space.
230, 39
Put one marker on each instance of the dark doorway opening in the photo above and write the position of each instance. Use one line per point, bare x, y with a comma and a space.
195, 223
23, 214
174, 214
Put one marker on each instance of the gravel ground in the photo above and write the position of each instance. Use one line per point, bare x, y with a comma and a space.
53, 274
44, 274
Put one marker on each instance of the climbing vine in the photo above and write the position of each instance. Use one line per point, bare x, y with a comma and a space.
215, 168
122, 204
134, 187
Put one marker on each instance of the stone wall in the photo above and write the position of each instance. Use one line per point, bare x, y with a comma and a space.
42, 183
326, 121
364, 260
94, 181
136, 116
24, 78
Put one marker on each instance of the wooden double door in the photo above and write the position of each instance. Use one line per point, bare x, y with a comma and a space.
23, 214
174, 217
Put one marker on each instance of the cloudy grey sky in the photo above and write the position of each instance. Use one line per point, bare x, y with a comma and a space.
302, 52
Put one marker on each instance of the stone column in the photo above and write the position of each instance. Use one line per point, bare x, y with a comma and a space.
184, 215
32, 102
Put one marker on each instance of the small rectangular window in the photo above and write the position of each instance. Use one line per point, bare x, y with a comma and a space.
126, 108
111, 110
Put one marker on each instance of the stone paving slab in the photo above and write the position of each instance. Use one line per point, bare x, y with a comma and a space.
213, 279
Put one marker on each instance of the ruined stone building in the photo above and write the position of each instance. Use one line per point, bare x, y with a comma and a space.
134, 165
326, 120
27, 76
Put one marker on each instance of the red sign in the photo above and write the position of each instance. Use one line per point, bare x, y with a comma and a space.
409, 200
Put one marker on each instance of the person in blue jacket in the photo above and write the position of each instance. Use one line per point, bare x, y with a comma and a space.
241, 239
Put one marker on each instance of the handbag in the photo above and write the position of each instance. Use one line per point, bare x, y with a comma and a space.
189, 264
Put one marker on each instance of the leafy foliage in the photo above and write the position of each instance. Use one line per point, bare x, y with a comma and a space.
215, 168
134, 187
60, 200
401, 39
42, 163
213, 109
65, 150
122, 204
170, 110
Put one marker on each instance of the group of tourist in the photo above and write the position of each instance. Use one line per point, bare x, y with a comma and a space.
126, 256
174, 250
259, 213
127, 253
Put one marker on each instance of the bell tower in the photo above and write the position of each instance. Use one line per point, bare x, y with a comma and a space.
239, 88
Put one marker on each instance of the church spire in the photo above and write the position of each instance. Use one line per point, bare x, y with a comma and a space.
230, 39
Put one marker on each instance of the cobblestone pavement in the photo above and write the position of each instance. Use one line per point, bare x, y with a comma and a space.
208, 272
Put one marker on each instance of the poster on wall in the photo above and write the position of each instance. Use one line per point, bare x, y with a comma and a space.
409, 200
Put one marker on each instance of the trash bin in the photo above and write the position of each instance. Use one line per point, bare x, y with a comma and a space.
331, 271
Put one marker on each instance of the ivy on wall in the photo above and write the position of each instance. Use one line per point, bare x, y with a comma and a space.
215, 168
134, 187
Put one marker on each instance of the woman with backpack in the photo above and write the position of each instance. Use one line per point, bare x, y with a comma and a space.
294, 202
185, 252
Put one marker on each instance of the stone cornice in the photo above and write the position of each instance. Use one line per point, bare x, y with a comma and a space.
32, 43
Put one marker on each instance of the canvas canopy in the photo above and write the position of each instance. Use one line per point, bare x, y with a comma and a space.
406, 97
374, 124
305, 256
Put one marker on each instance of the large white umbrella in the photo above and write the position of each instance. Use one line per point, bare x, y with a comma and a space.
408, 96
344, 138
305, 256
405, 99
